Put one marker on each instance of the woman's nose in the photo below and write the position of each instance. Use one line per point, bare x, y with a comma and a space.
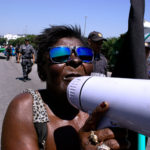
74, 61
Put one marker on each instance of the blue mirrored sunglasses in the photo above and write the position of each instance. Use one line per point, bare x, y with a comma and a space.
61, 54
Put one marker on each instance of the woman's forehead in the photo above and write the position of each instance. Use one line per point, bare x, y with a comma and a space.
69, 41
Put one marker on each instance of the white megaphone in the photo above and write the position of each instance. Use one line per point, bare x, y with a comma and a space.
129, 100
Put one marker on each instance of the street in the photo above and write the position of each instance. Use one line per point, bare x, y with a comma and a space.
11, 82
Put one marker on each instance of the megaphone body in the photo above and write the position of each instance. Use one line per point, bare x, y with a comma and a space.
129, 100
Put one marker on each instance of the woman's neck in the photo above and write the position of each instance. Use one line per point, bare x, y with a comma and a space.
59, 105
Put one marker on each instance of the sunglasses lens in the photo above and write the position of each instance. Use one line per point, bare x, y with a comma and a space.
60, 54
85, 54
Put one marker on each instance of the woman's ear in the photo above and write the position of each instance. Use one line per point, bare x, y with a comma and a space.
41, 68
41, 72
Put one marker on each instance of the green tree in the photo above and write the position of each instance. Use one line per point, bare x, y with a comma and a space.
111, 48
21, 40
12, 42
3, 41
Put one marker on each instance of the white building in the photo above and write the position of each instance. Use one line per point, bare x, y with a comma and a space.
12, 36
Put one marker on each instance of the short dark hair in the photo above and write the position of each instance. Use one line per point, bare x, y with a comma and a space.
51, 36
26, 39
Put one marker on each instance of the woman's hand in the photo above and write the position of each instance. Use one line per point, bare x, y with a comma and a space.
103, 139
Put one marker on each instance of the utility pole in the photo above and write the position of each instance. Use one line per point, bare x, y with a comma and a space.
85, 25
25, 30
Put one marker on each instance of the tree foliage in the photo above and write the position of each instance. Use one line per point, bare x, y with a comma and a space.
3, 41
111, 48
21, 40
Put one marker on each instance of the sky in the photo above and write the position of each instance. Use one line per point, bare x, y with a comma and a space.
110, 17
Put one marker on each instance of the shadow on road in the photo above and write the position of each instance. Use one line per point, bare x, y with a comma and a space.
22, 79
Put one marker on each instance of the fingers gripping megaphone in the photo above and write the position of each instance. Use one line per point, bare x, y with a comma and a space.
129, 100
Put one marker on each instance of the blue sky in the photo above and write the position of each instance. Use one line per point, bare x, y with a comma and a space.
110, 17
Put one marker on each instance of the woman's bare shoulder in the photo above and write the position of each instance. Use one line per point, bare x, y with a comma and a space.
21, 105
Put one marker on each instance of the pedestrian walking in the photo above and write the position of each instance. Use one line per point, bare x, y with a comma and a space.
27, 53
17, 51
8, 52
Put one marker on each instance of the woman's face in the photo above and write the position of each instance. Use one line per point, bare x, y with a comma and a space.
59, 75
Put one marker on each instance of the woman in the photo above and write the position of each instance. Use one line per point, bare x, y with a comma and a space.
44, 119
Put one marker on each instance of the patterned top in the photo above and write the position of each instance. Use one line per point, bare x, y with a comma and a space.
39, 110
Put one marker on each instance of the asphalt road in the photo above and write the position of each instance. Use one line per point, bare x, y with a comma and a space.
11, 83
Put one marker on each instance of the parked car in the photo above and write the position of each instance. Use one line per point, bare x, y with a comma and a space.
2, 49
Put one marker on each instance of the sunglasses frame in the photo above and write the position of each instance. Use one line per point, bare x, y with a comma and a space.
73, 49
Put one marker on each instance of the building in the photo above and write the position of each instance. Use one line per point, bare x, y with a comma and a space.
13, 36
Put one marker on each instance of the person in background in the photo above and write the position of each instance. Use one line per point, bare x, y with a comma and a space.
95, 41
27, 53
8, 52
44, 119
17, 51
